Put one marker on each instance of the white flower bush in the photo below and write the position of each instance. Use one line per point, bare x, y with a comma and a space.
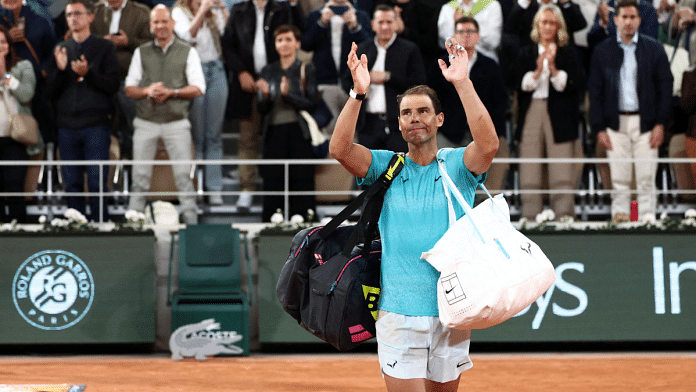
277, 218
545, 216
690, 214
296, 219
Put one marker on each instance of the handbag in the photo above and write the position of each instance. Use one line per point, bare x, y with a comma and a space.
23, 127
330, 283
489, 271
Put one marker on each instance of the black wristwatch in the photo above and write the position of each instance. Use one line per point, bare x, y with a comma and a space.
355, 95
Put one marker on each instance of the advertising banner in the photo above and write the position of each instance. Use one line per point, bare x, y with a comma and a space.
84, 288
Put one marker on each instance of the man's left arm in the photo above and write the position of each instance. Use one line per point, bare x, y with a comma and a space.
479, 154
104, 76
194, 75
664, 81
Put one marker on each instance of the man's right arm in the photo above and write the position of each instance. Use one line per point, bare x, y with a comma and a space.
352, 156
135, 74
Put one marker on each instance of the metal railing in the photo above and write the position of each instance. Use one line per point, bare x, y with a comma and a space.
50, 193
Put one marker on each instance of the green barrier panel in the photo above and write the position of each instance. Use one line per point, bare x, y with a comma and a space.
617, 286
77, 288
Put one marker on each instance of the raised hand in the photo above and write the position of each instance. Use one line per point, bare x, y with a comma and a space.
61, 56
458, 69
358, 70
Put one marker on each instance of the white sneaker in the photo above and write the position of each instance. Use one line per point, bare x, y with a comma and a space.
244, 201
215, 199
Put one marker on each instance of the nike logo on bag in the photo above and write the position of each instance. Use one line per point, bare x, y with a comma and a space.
462, 364
450, 290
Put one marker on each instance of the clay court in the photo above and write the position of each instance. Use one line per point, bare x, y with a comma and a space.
353, 372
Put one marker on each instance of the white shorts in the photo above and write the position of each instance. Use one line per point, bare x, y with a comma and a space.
421, 347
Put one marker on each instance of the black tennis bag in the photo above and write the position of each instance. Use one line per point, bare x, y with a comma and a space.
330, 282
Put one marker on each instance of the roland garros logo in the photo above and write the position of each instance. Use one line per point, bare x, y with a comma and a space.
53, 290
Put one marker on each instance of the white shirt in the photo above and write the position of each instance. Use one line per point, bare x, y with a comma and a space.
194, 70
490, 20
541, 85
259, 48
203, 42
336, 23
116, 17
377, 102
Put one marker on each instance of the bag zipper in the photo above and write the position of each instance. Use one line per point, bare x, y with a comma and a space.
333, 286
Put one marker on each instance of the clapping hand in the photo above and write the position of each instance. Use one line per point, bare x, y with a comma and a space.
458, 69
61, 55
358, 70
80, 66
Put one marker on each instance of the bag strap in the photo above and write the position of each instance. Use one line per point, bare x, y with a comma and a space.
371, 200
303, 78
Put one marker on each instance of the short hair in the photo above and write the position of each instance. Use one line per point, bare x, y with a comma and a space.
467, 19
625, 3
421, 90
89, 5
562, 37
282, 29
383, 7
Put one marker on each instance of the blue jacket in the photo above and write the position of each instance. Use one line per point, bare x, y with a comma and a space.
654, 84
317, 39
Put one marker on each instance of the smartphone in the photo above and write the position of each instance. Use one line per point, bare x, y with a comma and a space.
339, 9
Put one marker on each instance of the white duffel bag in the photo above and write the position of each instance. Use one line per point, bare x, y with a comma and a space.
489, 271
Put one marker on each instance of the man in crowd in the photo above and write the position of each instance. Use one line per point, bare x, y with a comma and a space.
395, 65
126, 24
82, 79
329, 36
487, 79
248, 46
628, 113
164, 75
490, 18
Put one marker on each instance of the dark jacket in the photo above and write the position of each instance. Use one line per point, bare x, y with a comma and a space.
301, 98
135, 22
654, 84
488, 82
317, 39
519, 22
649, 25
238, 45
404, 62
563, 106
86, 103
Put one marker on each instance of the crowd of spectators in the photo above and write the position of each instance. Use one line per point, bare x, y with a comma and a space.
560, 78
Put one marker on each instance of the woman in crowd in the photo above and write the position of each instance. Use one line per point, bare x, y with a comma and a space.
283, 92
201, 23
549, 81
17, 89
34, 40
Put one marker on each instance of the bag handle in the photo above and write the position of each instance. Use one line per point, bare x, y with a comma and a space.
371, 201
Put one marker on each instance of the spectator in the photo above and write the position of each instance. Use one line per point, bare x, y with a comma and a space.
283, 92
126, 24
395, 64
683, 23
329, 37
17, 88
629, 107
604, 25
201, 24
551, 79
34, 40
248, 46
518, 27
81, 82
164, 75
490, 18
487, 79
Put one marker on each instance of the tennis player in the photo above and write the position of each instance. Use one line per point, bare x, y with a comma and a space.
416, 352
